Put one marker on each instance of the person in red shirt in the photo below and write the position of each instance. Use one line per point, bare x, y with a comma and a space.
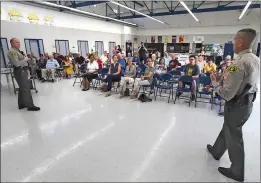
174, 63
98, 60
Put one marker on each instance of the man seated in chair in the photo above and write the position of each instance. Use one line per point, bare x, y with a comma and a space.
210, 66
190, 69
51, 65
79, 63
92, 72
147, 79
129, 76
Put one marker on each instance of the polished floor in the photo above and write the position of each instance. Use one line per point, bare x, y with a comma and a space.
85, 137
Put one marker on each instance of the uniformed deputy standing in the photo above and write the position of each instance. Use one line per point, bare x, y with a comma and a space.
20, 64
238, 107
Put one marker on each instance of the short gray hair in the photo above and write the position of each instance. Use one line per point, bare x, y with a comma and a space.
228, 57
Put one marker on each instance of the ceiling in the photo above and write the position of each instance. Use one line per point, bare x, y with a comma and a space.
171, 12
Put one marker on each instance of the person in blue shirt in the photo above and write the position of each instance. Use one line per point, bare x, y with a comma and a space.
122, 62
136, 59
51, 65
167, 58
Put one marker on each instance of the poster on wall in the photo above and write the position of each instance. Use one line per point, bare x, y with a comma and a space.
159, 39
48, 20
181, 39
152, 39
166, 39
33, 18
15, 15
174, 39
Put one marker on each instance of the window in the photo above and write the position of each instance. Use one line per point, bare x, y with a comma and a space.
99, 47
62, 47
83, 48
111, 47
3, 52
34, 46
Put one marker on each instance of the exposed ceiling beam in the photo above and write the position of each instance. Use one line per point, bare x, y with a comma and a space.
228, 3
200, 4
112, 10
166, 5
139, 4
127, 5
88, 3
147, 7
204, 10
176, 7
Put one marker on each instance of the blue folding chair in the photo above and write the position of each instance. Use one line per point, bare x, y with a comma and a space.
181, 68
164, 81
101, 76
141, 70
204, 81
187, 81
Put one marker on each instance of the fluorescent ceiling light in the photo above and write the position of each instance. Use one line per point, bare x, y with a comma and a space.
186, 7
85, 12
245, 9
137, 12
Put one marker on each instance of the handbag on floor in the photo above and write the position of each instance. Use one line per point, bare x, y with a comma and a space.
144, 98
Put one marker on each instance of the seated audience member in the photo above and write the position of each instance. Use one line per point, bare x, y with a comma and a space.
154, 60
129, 76
190, 69
122, 62
200, 62
60, 58
226, 64
51, 65
167, 58
91, 73
32, 64
210, 66
161, 67
114, 75
98, 60
104, 57
46, 56
41, 65
147, 79
174, 63
109, 61
70, 57
68, 67
136, 59
80, 63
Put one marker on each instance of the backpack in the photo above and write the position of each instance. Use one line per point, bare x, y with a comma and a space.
144, 98
104, 88
127, 92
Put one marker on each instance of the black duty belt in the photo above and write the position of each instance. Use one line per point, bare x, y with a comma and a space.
23, 68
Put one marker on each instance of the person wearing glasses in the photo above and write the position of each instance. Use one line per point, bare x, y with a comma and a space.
190, 69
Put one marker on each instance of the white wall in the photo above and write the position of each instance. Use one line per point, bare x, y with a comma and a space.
66, 26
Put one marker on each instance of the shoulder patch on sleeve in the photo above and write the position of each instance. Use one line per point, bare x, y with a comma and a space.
13, 53
233, 68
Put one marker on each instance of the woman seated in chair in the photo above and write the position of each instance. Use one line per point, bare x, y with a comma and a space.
129, 76
160, 68
147, 79
114, 75
67, 67
191, 69
91, 73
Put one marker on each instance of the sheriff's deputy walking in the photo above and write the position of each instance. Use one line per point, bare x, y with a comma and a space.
238, 88
20, 64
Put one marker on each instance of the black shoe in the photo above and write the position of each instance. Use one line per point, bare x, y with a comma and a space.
34, 108
43, 80
22, 107
221, 113
85, 89
193, 97
210, 150
52, 80
227, 172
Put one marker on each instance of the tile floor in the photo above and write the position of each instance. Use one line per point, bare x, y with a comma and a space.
83, 136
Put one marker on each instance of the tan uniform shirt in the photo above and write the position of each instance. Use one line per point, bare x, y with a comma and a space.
16, 58
245, 70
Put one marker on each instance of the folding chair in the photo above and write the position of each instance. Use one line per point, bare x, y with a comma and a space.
187, 81
175, 80
164, 81
78, 76
141, 70
181, 68
204, 81
101, 76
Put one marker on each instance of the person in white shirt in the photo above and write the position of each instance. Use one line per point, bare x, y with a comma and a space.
104, 57
91, 73
51, 66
